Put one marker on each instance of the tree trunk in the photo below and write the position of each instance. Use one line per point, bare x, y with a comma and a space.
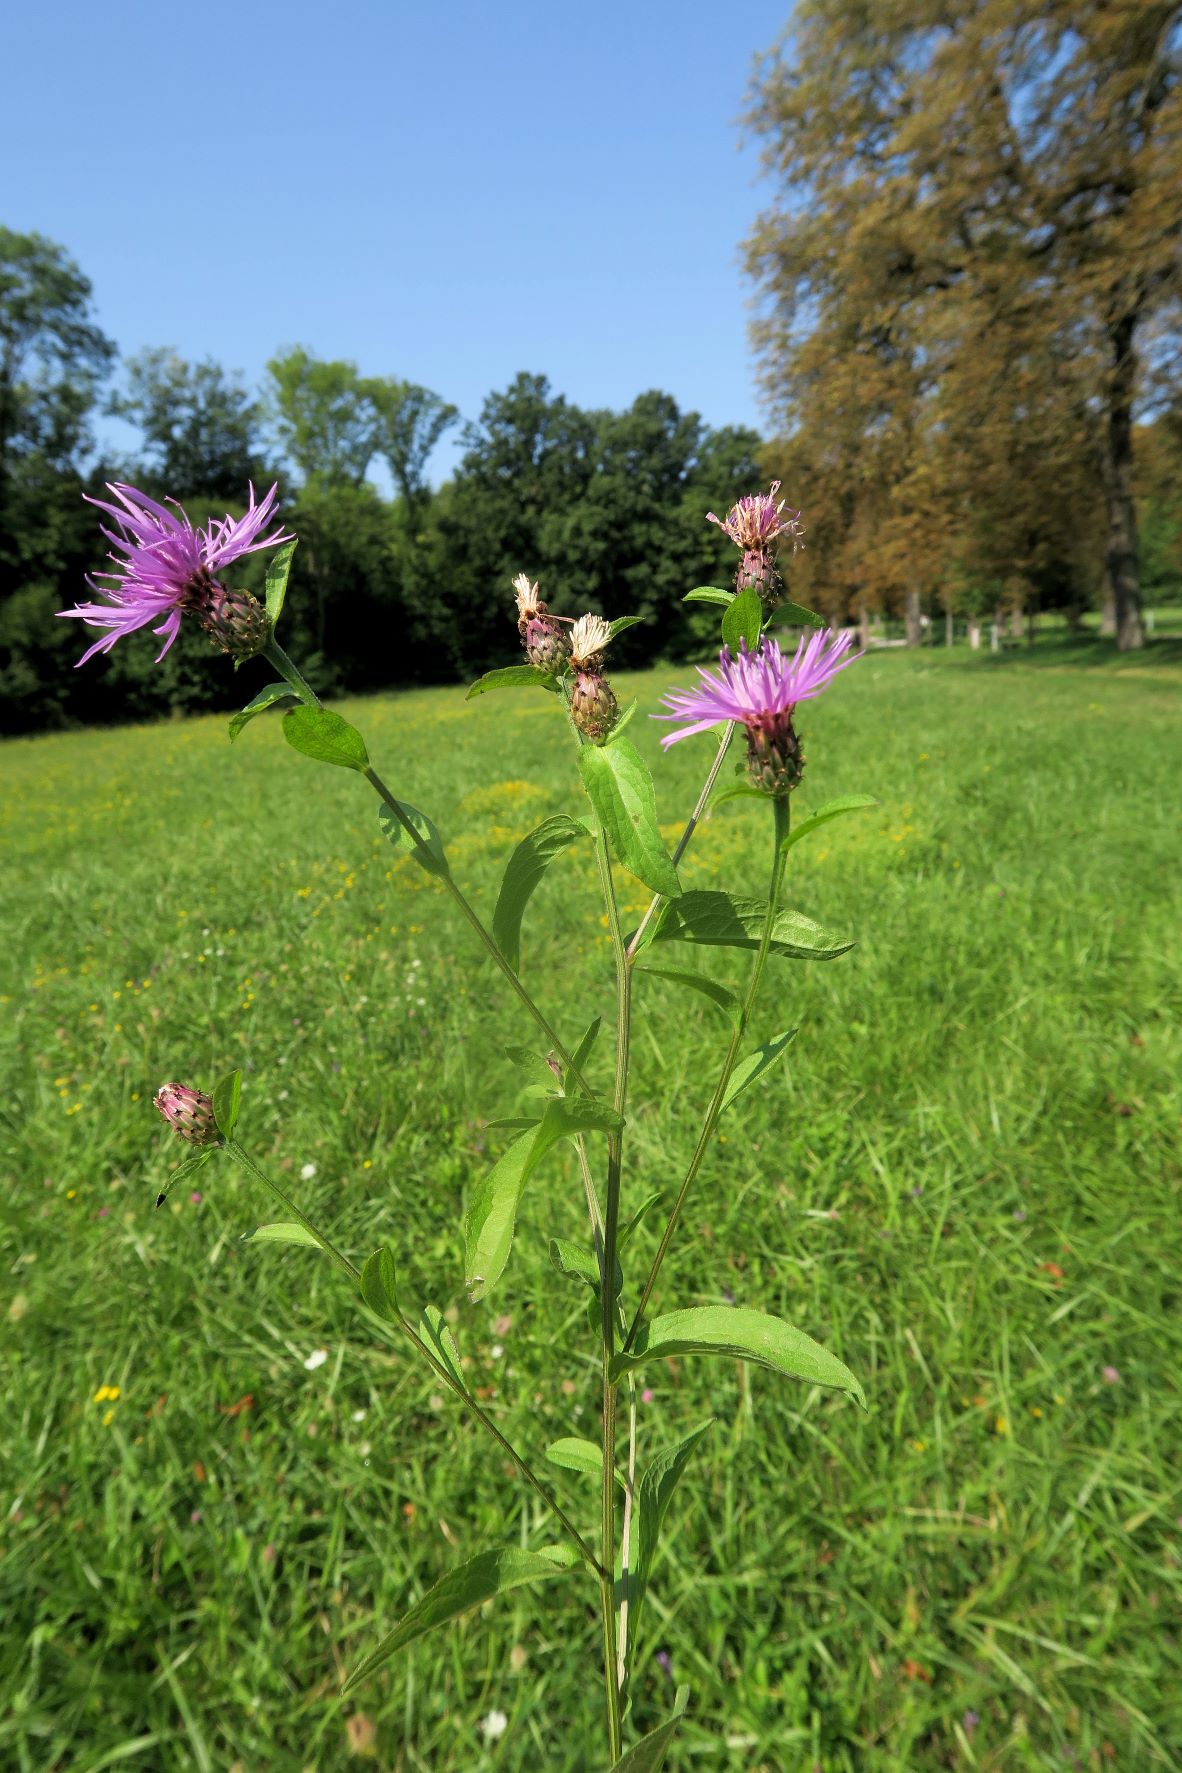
975, 633
863, 627
911, 614
1017, 619
1124, 575
949, 628
1108, 609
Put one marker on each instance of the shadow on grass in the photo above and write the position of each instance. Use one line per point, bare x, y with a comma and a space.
1077, 650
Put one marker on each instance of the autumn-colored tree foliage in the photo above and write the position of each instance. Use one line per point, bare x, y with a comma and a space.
969, 275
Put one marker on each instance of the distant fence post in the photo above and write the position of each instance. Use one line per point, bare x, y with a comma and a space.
993, 637
975, 633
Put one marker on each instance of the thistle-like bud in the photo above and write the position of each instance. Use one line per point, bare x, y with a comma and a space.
757, 570
593, 706
544, 642
188, 1112
775, 760
236, 622
755, 525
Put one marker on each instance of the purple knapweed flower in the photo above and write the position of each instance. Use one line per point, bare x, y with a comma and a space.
756, 521
164, 566
761, 689
189, 1112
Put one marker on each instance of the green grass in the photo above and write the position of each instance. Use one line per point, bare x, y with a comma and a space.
965, 1182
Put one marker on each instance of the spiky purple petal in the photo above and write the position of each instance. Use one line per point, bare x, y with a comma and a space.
757, 684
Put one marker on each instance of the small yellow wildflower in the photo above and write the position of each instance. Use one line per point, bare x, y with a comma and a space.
107, 1394
1001, 1426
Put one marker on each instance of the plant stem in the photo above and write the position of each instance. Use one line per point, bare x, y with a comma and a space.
607, 1290
244, 1158
684, 840
780, 805
277, 657
626, 1537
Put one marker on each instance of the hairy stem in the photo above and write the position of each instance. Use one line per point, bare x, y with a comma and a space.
780, 805
684, 840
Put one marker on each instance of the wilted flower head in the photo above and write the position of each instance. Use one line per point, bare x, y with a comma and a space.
756, 521
542, 638
761, 689
528, 600
189, 1112
164, 566
588, 637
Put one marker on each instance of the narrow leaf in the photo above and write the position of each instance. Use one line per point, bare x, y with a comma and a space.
523, 871
709, 594
833, 809
573, 1454
477, 1581
794, 615
648, 1755
643, 1210
227, 1094
622, 622
379, 1284
582, 1052
278, 572
745, 1336
743, 621
429, 854
653, 1496
325, 736
722, 995
279, 1234
435, 1331
620, 788
535, 1066
192, 1161
512, 677
754, 1065
720, 920
275, 694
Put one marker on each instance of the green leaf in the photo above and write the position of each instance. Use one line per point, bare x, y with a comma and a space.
477, 1581
572, 1259
492, 1210
794, 615
523, 871
654, 1493
379, 1285
435, 1331
321, 734
274, 694
227, 1094
536, 1067
745, 1336
720, 920
278, 569
722, 995
430, 853
512, 677
573, 1454
709, 594
754, 1065
833, 809
648, 1755
279, 1234
643, 1210
621, 722
743, 621
621, 790
622, 622
192, 1161
583, 1051
738, 791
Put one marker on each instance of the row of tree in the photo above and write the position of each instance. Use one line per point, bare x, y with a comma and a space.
971, 275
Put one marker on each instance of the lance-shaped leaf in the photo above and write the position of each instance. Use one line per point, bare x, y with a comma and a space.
572, 1454
583, 1051
379, 1285
429, 852
492, 1211
745, 1336
622, 622
648, 1755
743, 621
709, 594
435, 1331
278, 572
720, 920
227, 1095
523, 871
573, 1259
275, 695
754, 1065
721, 995
794, 615
192, 1161
280, 1233
833, 809
479, 1580
321, 734
620, 788
654, 1493
512, 677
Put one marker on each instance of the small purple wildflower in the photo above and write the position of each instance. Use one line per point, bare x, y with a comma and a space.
665, 1661
647, 1395
1020, 1215
165, 565
756, 520
970, 1721
195, 1197
1110, 1375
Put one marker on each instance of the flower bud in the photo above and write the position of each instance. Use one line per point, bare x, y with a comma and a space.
593, 706
757, 570
188, 1112
775, 760
236, 622
545, 646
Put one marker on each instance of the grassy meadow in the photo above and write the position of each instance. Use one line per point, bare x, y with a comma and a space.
964, 1180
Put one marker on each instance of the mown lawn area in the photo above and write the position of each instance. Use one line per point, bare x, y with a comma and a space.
964, 1179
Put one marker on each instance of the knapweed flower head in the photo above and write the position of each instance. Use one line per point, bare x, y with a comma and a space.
761, 689
543, 639
588, 637
593, 706
164, 566
528, 599
756, 521
189, 1112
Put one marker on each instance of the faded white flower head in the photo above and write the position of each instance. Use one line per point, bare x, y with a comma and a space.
588, 638
527, 596
494, 1725
316, 1359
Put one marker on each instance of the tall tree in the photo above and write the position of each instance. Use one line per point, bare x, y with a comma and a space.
956, 164
323, 416
408, 422
202, 427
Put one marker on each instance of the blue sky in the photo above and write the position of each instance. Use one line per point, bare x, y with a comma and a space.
449, 194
